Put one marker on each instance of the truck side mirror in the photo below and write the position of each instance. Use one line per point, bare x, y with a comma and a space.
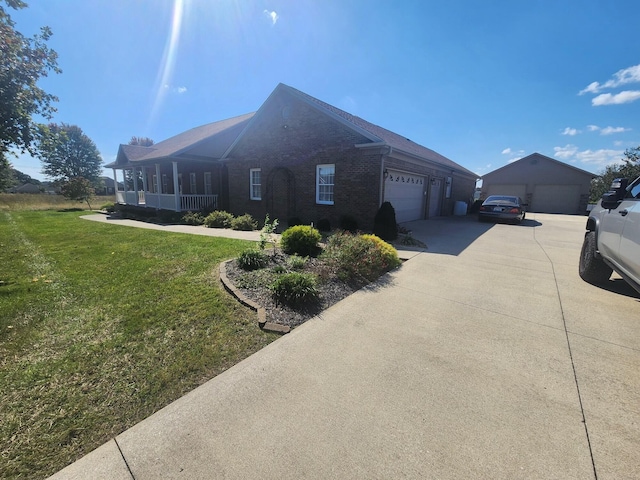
614, 196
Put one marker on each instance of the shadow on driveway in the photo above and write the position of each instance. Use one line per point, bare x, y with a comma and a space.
448, 235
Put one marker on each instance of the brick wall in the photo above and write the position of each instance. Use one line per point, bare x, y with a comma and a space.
287, 140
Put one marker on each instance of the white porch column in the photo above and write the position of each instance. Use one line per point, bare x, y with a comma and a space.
176, 186
144, 179
135, 182
158, 179
115, 184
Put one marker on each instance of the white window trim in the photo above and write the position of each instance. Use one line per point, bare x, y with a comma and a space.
252, 185
318, 167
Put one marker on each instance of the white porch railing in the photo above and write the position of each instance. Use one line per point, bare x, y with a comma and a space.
167, 201
196, 202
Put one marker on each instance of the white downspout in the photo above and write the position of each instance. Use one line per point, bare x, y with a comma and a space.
382, 177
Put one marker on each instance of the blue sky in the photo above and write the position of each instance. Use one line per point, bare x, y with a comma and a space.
483, 83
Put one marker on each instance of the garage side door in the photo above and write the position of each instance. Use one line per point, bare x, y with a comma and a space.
406, 194
555, 199
508, 189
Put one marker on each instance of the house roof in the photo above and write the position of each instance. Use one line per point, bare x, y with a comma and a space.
539, 155
217, 135
380, 134
216, 140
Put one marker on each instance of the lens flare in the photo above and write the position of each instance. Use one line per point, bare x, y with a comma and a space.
165, 71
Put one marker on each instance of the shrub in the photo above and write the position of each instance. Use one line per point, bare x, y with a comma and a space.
324, 225
218, 219
348, 223
252, 260
295, 289
297, 262
384, 223
360, 258
301, 239
193, 218
244, 222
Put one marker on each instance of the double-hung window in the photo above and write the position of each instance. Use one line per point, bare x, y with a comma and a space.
193, 187
325, 175
255, 185
208, 190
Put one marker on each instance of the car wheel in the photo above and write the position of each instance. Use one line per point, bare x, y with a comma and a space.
592, 269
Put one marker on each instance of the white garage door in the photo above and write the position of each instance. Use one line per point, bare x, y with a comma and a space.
508, 189
555, 199
406, 194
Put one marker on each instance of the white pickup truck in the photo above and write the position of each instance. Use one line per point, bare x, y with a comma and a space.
612, 240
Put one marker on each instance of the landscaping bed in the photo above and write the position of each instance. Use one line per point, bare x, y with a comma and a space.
255, 286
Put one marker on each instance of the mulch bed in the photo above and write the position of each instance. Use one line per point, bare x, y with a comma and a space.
255, 286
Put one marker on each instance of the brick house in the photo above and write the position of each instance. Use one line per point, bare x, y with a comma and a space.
296, 157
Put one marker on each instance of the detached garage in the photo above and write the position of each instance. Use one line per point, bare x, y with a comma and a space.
547, 185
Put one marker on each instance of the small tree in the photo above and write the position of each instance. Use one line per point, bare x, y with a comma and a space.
267, 234
78, 188
66, 152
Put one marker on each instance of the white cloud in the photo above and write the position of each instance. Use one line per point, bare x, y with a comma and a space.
611, 130
272, 15
506, 151
172, 89
590, 158
565, 152
570, 131
593, 87
621, 77
593, 128
627, 96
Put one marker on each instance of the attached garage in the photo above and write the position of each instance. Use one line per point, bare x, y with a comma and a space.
406, 193
546, 184
555, 199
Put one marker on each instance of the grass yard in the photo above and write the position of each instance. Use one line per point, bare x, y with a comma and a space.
100, 326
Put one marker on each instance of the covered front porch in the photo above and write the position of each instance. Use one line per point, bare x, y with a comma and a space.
168, 187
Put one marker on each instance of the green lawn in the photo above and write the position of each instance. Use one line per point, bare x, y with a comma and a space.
100, 326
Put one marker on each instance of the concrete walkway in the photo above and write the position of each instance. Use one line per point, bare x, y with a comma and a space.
484, 357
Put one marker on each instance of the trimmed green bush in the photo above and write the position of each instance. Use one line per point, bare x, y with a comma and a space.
193, 218
360, 258
295, 289
252, 260
301, 239
218, 219
384, 223
244, 222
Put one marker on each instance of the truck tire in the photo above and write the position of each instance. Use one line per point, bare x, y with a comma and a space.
592, 269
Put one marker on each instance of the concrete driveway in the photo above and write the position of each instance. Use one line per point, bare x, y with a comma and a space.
484, 357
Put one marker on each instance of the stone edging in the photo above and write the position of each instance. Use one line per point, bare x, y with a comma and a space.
262, 313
